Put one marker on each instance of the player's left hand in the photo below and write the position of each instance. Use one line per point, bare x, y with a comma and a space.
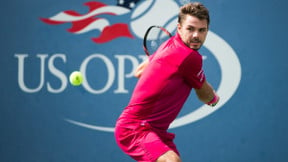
139, 70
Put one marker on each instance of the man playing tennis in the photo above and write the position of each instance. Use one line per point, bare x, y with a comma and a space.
165, 82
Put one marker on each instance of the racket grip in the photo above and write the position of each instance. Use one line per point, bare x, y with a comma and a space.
214, 101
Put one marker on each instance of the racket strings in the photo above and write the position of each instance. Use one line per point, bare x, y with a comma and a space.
155, 38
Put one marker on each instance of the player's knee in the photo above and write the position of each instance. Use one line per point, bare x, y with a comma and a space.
169, 156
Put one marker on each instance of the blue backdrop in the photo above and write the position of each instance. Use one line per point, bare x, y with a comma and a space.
43, 118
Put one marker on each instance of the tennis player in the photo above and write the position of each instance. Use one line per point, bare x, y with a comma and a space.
165, 82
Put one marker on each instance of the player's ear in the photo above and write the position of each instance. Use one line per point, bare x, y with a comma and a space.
178, 27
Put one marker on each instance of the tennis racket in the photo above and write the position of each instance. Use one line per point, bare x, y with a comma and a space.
153, 38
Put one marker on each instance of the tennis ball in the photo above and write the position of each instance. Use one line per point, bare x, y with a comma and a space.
76, 78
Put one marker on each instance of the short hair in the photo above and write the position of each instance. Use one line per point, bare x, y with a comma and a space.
196, 9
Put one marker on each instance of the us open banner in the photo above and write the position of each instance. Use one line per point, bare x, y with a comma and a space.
46, 119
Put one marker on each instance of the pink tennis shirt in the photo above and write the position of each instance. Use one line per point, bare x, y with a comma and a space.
165, 84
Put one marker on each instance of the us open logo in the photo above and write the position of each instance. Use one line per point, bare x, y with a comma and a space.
142, 15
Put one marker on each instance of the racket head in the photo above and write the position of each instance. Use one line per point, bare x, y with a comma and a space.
153, 38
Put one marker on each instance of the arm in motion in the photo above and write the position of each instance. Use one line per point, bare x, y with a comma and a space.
207, 94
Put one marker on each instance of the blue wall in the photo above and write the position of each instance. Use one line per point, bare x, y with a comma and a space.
43, 118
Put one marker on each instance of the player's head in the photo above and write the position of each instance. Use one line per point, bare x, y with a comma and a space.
196, 9
193, 24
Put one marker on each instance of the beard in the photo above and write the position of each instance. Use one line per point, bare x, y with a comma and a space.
195, 44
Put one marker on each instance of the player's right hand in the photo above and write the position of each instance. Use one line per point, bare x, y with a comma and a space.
214, 101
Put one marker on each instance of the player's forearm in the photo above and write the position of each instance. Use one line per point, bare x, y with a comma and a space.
207, 94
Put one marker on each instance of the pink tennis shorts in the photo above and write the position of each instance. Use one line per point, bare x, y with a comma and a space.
142, 142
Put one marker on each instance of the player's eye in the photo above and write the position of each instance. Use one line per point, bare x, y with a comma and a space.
202, 30
190, 29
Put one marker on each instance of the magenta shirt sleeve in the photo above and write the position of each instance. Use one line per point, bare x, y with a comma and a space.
192, 71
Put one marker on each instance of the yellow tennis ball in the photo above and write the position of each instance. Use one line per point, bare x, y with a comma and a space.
76, 78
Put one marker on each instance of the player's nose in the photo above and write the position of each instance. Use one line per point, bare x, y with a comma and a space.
195, 34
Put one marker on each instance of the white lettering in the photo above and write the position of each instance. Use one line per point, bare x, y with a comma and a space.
21, 58
111, 73
121, 71
57, 73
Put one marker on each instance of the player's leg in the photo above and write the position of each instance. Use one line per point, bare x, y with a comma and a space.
169, 156
141, 143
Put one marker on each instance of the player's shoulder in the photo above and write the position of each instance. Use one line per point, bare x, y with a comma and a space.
191, 63
181, 47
